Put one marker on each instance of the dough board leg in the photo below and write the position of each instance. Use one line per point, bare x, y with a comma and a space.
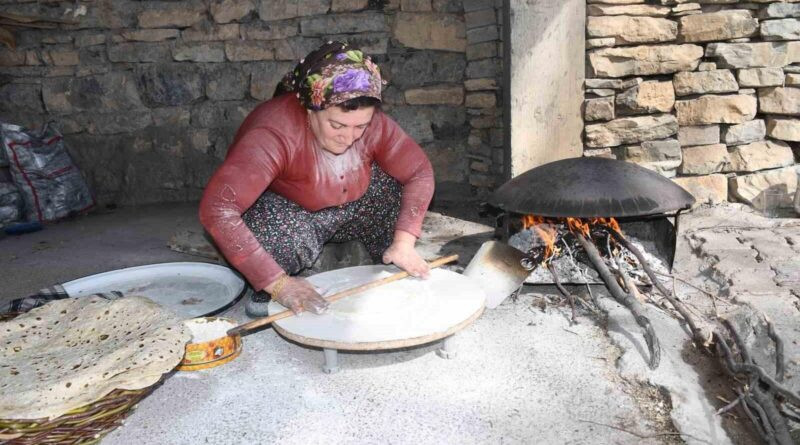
331, 361
447, 348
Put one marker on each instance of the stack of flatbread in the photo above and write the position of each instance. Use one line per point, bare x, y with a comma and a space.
72, 352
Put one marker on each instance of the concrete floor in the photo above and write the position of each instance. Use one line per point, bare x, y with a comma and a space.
523, 374
92, 244
508, 384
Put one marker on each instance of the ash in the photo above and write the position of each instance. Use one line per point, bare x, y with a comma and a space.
572, 270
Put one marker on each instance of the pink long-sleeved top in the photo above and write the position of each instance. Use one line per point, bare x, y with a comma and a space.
275, 149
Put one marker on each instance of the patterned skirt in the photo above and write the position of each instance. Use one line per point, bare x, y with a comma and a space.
294, 236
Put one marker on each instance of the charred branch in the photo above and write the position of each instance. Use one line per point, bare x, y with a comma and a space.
749, 369
730, 405
626, 299
570, 297
789, 415
697, 334
768, 419
780, 367
743, 351
752, 370
747, 401
760, 420
773, 418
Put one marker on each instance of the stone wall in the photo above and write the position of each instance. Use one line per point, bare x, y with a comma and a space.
707, 92
150, 93
483, 83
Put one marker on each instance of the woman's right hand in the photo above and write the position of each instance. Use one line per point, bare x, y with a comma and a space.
298, 295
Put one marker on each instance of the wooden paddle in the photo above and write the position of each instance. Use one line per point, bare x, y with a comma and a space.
338, 296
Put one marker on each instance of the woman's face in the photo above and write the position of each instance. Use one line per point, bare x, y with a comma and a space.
336, 129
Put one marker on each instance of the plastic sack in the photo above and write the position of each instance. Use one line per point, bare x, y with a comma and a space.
9, 214
51, 185
10, 203
10, 195
3, 159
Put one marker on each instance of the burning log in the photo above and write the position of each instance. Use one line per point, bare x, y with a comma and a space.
624, 298
582, 234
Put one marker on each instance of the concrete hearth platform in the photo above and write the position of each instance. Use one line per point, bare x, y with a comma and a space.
522, 374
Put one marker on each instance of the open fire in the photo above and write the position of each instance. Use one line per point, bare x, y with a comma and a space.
555, 232
569, 196
600, 243
583, 239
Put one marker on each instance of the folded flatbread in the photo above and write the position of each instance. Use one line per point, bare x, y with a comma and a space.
72, 352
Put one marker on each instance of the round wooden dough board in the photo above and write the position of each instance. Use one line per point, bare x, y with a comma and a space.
403, 313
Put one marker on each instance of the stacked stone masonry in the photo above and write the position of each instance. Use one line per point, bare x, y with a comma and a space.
483, 80
149, 94
706, 92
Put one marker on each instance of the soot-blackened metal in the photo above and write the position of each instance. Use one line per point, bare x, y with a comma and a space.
591, 187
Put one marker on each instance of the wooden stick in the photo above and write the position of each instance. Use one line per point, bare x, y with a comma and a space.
780, 367
338, 296
563, 290
697, 333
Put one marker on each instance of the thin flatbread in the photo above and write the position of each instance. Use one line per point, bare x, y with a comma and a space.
72, 352
401, 310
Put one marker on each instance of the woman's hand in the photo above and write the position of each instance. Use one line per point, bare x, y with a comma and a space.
403, 255
297, 294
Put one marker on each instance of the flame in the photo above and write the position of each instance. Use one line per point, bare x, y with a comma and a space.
531, 220
578, 225
608, 222
546, 229
584, 225
548, 235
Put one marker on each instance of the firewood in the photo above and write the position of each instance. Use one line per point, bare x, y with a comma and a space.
625, 299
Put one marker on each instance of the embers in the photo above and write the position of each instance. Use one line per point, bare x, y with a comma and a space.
557, 236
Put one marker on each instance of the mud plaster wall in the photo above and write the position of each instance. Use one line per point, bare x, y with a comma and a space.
546, 56
149, 94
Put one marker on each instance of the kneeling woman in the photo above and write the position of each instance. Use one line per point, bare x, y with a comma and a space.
318, 162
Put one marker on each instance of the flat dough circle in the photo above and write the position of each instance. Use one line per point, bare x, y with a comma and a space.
402, 313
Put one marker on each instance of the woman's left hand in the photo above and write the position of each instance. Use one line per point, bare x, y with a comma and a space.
403, 255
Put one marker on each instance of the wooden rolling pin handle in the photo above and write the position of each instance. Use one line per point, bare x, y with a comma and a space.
338, 296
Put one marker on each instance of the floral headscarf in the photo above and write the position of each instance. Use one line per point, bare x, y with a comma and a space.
332, 74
